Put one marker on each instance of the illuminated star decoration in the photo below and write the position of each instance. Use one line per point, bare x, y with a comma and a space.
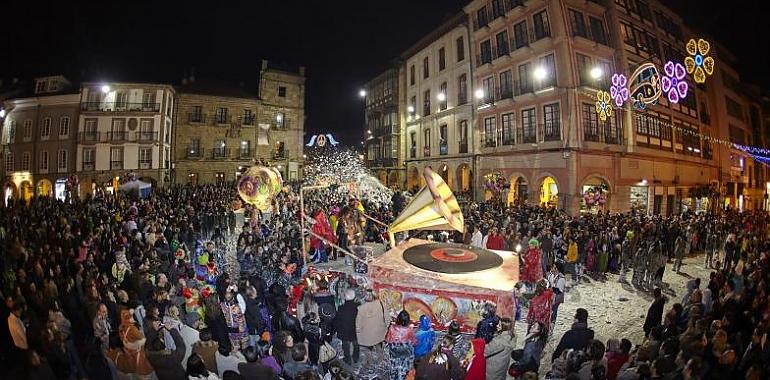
618, 90
699, 64
603, 107
673, 82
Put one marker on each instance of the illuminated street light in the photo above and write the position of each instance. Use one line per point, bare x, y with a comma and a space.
441, 96
410, 109
362, 93
2, 113
105, 88
540, 73
596, 72
479, 94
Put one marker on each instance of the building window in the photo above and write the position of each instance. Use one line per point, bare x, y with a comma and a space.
462, 89
282, 91
549, 64
583, 67
426, 103
426, 142
597, 30
116, 158
44, 161
11, 132
145, 158
45, 128
506, 85
248, 117
501, 39
490, 132
196, 114
508, 128
148, 100
221, 115
28, 130
578, 24
413, 145
737, 135
528, 126
25, 161
463, 134
488, 84
734, 108
411, 75
169, 105
118, 130
280, 120
460, 43
64, 126
551, 122
62, 160
442, 104
41, 86
486, 52
219, 149
482, 19
425, 68
590, 123
121, 100
525, 80
245, 149
441, 59
89, 159
9, 162
542, 27
413, 104
520, 35
195, 148
443, 144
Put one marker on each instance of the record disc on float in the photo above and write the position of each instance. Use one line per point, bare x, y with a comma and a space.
451, 258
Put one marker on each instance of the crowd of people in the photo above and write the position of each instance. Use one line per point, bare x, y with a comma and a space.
181, 285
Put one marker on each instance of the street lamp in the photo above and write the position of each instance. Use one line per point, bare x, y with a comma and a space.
479, 94
441, 96
409, 109
596, 72
2, 113
540, 73
105, 88
362, 93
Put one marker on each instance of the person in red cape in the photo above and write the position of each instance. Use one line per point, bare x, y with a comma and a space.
533, 266
477, 367
321, 228
540, 305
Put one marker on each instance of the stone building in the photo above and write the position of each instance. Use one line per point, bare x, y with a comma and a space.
39, 138
537, 69
384, 126
439, 106
124, 128
222, 129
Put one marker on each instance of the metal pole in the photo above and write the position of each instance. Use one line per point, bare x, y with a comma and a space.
302, 221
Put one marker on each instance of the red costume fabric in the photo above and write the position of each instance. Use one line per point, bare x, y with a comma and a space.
540, 308
321, 228
477, 370
495, 242
533, 269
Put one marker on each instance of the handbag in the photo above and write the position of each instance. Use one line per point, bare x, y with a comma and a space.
326, 353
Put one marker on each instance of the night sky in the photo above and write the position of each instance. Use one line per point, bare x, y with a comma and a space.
341, 43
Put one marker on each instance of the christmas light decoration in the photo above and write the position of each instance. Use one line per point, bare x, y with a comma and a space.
644, 86
673, 83
603, 107
699, 64
618, 90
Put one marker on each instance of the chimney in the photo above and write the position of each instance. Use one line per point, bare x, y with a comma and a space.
264, 64
184, 78
302, 71
192, 75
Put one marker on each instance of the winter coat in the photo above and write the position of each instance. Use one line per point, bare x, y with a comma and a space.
345, 321
253, 316
498, 355
425, 338
487, 327
614, 360
291, 324
654, 315
449, 368
478, 367
577, 338
371, 324
168, 365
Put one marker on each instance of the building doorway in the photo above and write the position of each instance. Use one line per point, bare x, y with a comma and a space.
518, 190
549, 192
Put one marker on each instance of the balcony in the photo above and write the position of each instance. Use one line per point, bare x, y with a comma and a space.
245, 153
120, 107
463, 148
116, 165
247, 120
220, 153
195, 117
193, 152
145, 164
89, 137
491, 143
88, 166
146, 136
117, 136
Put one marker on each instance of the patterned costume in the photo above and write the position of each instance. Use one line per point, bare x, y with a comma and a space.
540, 308
533, 268
236, 322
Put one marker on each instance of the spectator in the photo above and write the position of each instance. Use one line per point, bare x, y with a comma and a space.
426, 338
440, 364
498, 352
578, 337
345, 325
264, 350
655, 312
207, 350
166, 363
196, 369
400, 340
228, 360
253, 369
299, 362
371, 324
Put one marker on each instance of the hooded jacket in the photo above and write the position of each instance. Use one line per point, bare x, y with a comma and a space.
425, 338
477, 370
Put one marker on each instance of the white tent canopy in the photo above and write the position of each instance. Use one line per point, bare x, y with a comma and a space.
143, 188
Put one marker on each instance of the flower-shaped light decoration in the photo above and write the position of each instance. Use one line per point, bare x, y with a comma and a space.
673, 83
699, 64
618, 90
603, 107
